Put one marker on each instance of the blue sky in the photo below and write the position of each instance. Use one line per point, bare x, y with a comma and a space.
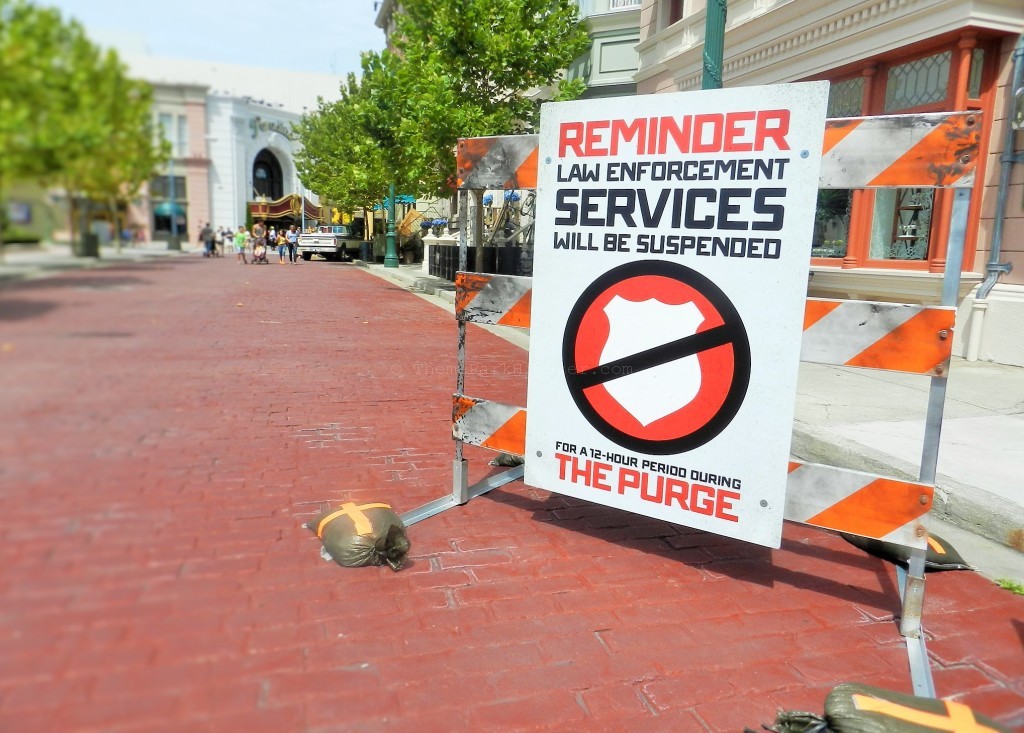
324, 36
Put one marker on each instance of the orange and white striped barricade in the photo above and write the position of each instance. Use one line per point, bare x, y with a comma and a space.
932, 150
823, 496
938, 150
893, 336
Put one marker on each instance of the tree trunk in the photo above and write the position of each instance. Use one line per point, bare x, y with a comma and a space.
72, 215
115, 218
3, 220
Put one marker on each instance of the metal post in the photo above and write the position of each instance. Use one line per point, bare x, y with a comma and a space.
912, 582
478, 229
917, 652
175, 243
460, 469
463, 255
714, 43
390, 251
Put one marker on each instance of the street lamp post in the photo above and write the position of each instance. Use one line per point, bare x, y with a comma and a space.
174, 243
390, 251
714, 44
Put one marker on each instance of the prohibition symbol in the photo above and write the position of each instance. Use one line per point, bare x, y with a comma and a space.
656, 357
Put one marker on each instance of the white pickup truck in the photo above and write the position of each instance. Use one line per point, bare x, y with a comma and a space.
335, 243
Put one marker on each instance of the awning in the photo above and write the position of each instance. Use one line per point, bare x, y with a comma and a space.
287, 207
168, 208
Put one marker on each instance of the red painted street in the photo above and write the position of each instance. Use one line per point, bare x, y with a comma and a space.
168, 427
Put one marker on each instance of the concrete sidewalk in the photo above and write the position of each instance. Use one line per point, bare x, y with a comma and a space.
873, 421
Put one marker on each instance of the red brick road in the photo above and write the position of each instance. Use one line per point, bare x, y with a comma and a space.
168, 427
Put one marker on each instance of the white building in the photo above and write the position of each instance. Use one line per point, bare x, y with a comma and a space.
233, 150
608, 66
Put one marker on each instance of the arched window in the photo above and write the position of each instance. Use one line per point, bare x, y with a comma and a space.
267, 179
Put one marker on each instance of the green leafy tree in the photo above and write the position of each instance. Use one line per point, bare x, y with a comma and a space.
112, 173
35, 45
68, 112
468, 66
345, 148
462, 70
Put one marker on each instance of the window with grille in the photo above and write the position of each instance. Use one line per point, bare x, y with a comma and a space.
977, 66
846, 98
918, 82
901, 224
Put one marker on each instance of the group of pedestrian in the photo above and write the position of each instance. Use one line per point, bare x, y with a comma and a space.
211, 240
261, 239
214, 240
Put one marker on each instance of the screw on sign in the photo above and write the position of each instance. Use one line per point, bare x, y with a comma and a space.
656, 357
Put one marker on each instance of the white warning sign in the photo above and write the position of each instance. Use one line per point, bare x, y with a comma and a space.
670, 273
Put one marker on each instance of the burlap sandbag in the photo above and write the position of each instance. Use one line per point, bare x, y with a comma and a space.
355, 535
507, 460
856, 708
940, 554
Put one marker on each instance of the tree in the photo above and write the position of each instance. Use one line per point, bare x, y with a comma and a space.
34, 43
468, 66
68, 112
461, 70
113, 173
346, 154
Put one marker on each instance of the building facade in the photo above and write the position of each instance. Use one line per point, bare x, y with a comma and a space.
232, 146
608, 67
882, 57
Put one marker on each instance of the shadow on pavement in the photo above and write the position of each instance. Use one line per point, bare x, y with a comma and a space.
98, 272
725, 556
13, 309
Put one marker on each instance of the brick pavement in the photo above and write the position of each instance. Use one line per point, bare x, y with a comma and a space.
169, 425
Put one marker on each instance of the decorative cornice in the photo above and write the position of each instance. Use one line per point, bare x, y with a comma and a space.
765, 34
857, 20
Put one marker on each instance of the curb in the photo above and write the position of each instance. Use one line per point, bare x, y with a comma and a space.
427, 284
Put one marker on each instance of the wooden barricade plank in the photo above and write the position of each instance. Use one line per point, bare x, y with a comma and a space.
489, 424
502, 300
932, 150
821, 496
859, 503
505, 161
891, 336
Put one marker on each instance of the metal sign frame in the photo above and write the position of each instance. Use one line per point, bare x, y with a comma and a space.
938, 150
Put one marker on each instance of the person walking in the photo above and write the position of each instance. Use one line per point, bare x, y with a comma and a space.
259, 234
241, 240
293, 242
282, 246
206, 237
